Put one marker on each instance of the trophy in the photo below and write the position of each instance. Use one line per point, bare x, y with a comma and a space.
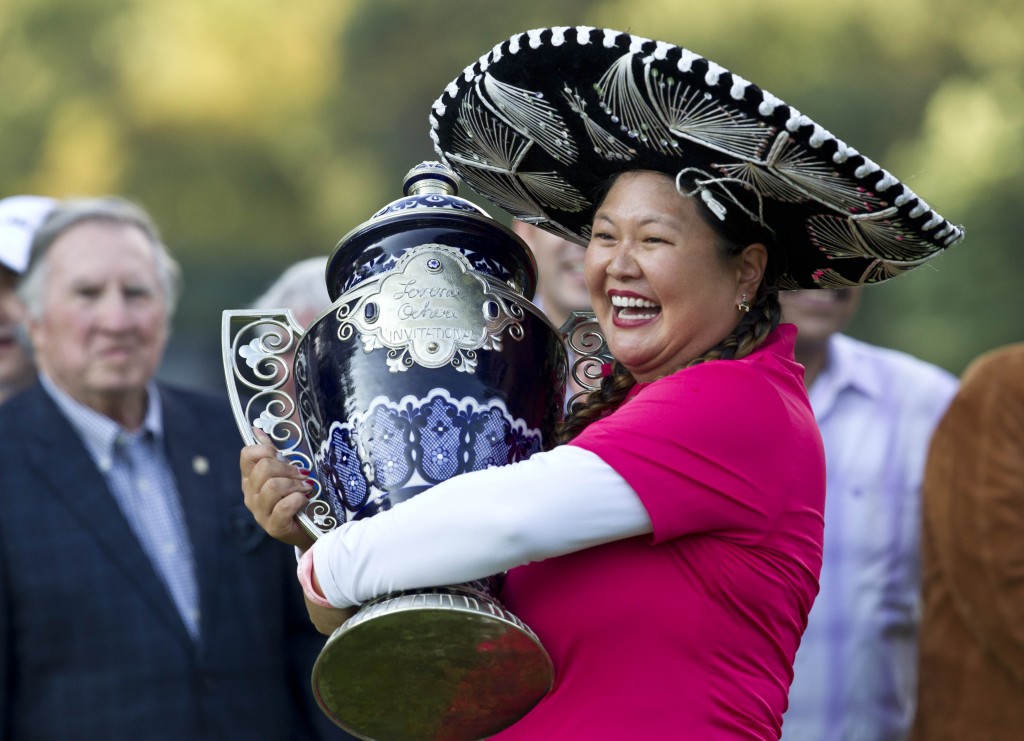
430, 362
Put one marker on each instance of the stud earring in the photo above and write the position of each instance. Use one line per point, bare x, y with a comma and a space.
744, 305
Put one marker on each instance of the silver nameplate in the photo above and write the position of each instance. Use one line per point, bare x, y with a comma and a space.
431, 310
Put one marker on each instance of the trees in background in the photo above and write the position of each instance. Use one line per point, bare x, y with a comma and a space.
260, 131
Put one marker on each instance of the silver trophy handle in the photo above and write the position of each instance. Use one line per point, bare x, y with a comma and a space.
588, 353
258, 347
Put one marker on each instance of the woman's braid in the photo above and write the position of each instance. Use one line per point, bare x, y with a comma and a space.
762, 318
599, 403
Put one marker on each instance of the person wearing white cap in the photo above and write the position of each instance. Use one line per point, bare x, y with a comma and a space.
19, 217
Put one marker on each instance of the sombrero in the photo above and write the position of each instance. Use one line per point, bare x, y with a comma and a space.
540, 123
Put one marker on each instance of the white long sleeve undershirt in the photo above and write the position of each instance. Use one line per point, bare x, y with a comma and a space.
478, 524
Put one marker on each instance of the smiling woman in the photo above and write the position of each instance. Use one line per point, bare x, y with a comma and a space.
667, 557
740, 260
664, 285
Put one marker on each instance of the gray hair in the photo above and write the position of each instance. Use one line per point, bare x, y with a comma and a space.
107, 209
301, 288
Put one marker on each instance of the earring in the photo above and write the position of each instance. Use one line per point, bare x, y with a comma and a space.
744, 305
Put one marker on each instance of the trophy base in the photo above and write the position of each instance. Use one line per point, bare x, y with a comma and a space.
448, 664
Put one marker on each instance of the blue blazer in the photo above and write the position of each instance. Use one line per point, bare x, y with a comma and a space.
91, 645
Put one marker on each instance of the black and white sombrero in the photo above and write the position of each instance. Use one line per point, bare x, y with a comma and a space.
539, 124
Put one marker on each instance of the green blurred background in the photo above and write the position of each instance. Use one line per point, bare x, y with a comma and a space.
258, 132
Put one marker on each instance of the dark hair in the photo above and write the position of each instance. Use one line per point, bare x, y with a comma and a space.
733, 233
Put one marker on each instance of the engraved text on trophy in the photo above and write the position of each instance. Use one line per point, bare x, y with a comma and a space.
431, 310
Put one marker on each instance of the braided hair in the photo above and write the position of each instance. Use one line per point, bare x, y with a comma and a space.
733, 236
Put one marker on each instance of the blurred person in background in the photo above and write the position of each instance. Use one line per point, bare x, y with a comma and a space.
19, 217
854, 675
301, 288
560, 286
126, 555
972, 625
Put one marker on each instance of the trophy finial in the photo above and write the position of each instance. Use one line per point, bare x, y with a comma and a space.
431, 178
430, 212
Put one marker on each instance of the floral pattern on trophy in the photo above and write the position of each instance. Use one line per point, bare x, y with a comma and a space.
413, 444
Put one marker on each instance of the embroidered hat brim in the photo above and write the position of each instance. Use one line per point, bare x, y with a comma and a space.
541, 122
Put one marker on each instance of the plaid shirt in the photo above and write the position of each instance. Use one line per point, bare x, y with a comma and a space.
141, 481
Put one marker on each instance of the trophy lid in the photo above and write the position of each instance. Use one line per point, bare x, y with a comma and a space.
429, 185
431, 212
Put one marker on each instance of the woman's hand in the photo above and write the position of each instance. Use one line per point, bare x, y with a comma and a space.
324, 616
275, 491
328, 619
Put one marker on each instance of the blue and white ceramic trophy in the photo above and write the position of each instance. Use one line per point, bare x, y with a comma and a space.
431, 362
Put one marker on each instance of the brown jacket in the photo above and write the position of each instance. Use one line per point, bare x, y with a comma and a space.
971, 680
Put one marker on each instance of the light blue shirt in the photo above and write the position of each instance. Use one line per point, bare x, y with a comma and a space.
855, 670
143, 484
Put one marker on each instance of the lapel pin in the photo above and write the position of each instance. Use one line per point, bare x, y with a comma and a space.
200, 465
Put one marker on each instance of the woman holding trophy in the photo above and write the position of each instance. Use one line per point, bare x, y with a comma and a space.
667, 553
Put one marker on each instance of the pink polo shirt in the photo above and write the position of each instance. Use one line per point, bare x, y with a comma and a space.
688, 633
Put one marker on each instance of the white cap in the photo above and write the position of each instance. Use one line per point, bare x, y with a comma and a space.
20, 216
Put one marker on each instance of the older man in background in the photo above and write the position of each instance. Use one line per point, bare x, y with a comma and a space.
137, 598
855, 670
19, 218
